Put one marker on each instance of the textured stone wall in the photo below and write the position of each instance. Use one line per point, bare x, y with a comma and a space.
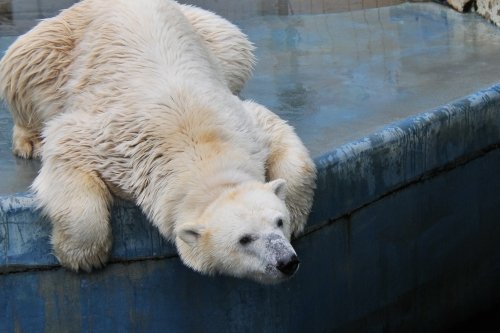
489, 9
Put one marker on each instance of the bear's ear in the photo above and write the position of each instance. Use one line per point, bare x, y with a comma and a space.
278, 186
190, 233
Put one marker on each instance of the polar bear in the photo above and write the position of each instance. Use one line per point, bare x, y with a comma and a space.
137, 100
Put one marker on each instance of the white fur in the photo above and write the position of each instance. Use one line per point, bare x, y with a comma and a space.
140, 104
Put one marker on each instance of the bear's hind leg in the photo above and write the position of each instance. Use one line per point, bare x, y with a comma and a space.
26, 143
78, 205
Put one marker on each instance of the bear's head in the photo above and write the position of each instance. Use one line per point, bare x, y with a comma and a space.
244, 233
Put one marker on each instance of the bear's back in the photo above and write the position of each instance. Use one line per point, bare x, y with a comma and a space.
130, 43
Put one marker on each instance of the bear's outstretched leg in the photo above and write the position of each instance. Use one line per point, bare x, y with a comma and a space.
25, 143
288, 159
78, 204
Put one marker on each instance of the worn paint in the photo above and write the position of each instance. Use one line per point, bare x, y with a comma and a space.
353, 175
409, 262
365, 170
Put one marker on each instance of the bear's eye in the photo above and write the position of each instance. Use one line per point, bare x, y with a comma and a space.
245, 240
279, 223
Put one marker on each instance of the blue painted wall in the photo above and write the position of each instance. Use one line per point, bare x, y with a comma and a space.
418, 259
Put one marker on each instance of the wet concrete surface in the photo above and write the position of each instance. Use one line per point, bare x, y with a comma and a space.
17, 16
335, 77
339, 77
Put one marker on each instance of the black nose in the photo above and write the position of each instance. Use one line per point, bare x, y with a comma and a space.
290, 266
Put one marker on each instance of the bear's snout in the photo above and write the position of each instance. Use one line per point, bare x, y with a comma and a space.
284, 258
290, 266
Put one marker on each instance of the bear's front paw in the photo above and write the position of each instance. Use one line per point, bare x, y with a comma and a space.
82, 255
26, 143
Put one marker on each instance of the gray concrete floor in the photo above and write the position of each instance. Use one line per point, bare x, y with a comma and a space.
336, 77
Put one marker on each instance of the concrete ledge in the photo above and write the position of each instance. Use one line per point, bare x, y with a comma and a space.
25, 236
404, 237
408, 151
349, 178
